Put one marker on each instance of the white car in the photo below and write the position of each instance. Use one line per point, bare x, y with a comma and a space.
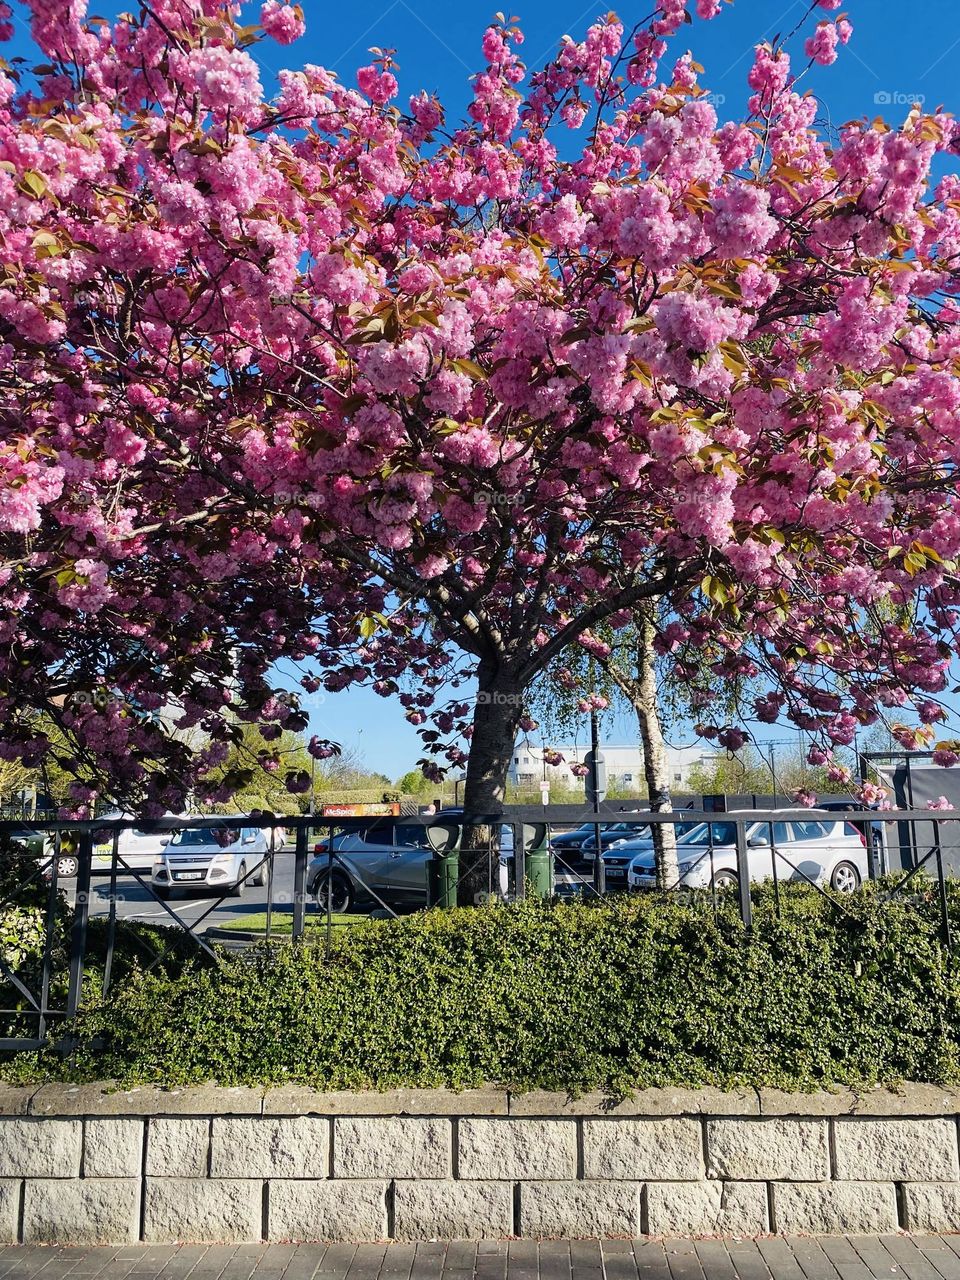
819, 847
214, 858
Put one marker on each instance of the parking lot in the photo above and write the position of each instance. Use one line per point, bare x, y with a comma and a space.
199, 908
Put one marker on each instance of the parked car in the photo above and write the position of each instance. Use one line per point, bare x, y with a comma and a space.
39, 845
827, 851
137, 848
570, 854
620, 855
612, 834
383, 864
857, 816
214, 858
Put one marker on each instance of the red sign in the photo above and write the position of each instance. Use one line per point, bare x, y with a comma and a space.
391, 810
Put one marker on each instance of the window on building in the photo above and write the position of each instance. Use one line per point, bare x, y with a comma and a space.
678, 777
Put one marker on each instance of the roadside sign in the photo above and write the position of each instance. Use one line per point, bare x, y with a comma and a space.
390, 810
596, 781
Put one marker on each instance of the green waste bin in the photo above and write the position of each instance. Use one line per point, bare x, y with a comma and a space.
443, 872
540, 872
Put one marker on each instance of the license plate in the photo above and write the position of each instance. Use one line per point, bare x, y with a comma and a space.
616, 873
188, 875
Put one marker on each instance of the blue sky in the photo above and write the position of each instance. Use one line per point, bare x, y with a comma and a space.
437, 45
898, 54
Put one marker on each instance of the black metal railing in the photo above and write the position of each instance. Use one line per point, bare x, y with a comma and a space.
61, 934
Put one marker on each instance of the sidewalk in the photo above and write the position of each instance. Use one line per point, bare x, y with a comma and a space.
774, 1258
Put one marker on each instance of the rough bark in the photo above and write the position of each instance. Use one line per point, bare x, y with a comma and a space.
496, 720
655, 765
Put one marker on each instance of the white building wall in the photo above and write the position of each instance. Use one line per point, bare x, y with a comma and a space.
624, 765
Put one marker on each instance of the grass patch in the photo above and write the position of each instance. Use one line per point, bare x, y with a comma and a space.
282, 921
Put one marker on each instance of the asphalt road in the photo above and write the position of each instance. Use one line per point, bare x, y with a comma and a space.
197, 908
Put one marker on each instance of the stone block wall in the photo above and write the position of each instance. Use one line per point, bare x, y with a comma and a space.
88, 1165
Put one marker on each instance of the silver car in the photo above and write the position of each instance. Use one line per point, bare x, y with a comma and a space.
817, 848
382, 865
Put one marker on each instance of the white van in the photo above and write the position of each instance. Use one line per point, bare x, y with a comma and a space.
137, 849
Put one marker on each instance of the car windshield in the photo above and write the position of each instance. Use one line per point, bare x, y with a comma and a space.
705, 833
202, 837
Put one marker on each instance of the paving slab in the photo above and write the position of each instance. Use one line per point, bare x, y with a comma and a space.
888, 1257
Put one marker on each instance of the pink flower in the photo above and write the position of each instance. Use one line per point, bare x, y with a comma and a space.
770, 72
282, 21
740, 222
563, 224
822, 46
694, 323
224, 79
379, 85
124, 445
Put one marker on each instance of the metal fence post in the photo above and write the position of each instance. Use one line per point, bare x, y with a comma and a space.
300, 883
942, 888
78, 931
743, 874
519, 862
112, 920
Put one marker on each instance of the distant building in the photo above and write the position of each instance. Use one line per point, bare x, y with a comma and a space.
624, 766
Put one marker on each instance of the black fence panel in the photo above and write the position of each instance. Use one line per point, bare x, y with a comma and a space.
67, 939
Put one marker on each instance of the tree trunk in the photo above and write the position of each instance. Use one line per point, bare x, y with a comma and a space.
655, 766
496, 720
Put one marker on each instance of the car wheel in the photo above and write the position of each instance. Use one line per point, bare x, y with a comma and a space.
262, 878
236, 890
341, 895
725, 880
67, 866
845, 878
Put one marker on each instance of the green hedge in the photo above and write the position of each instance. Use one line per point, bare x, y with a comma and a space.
615, 996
